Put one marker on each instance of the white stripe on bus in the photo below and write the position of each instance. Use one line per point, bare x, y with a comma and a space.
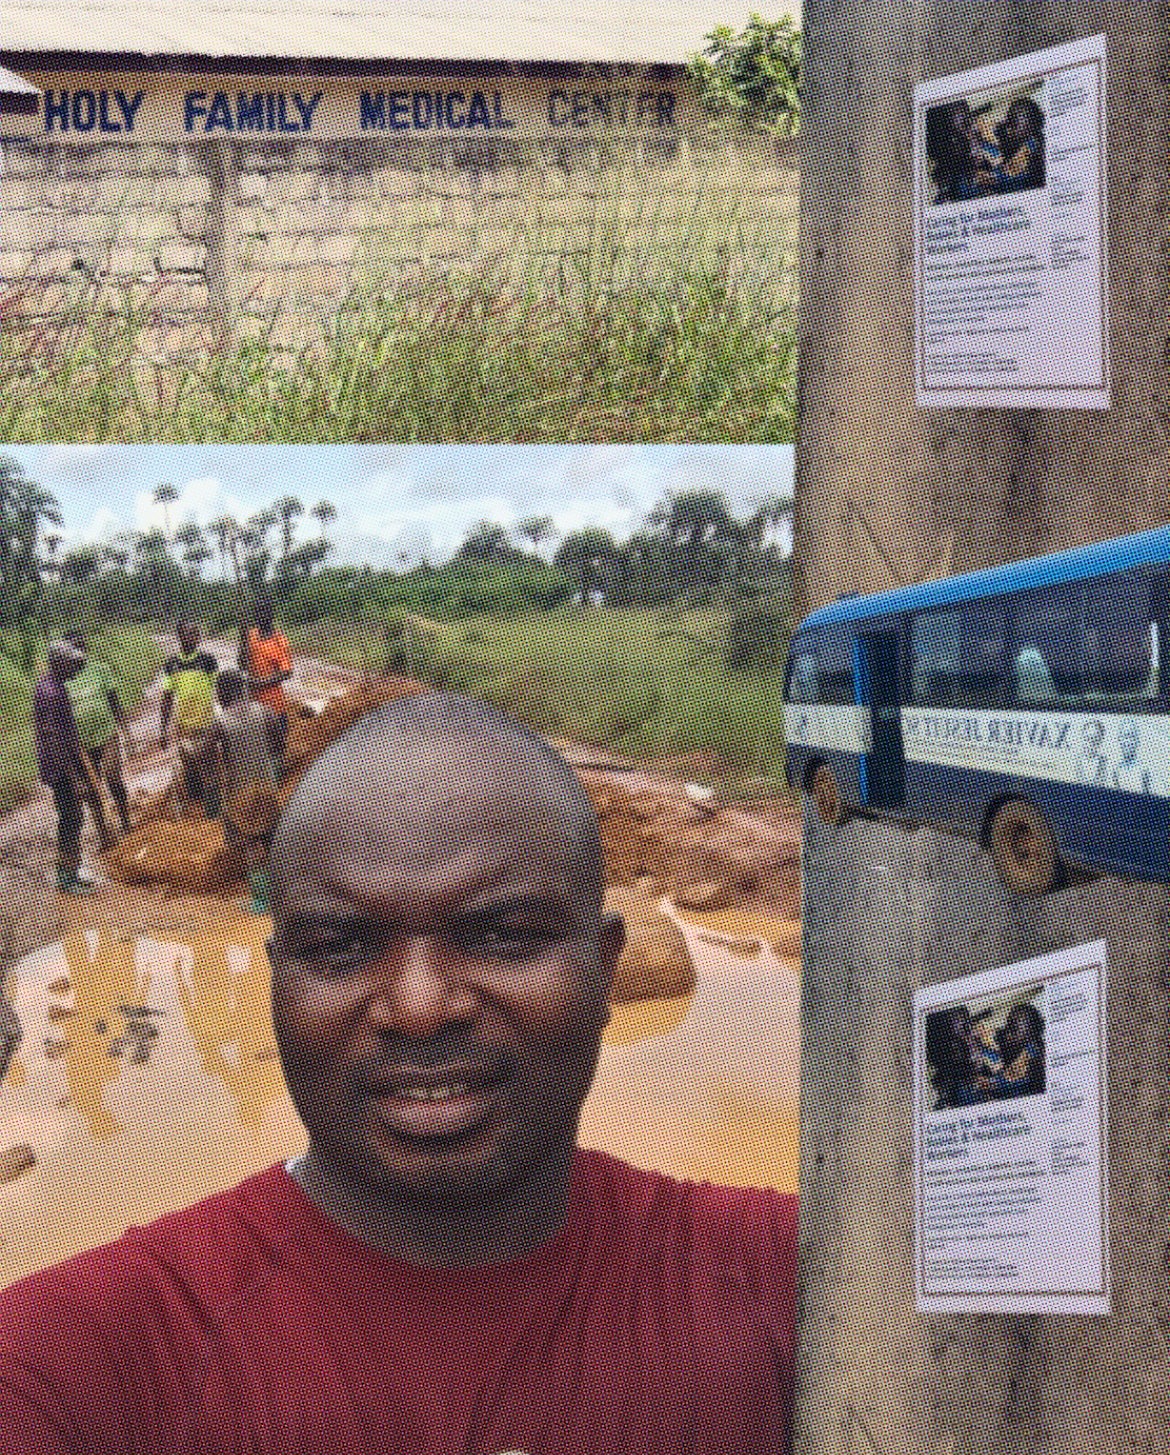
1095, 750
1130, 752
836, 729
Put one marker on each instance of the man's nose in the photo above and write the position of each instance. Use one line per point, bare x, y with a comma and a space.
418, 990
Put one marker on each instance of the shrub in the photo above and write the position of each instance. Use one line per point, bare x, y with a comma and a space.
757, 634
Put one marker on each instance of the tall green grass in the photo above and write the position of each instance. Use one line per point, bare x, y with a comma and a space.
644, 682
664, 314
133, 654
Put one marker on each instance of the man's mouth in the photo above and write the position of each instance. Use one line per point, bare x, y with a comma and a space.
437, 1101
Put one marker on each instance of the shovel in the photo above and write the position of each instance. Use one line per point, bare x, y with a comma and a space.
92, 792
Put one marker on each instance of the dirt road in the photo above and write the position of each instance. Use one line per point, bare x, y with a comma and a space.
755, 853
147, 1076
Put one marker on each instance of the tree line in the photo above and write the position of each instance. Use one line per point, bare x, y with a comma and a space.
692, 549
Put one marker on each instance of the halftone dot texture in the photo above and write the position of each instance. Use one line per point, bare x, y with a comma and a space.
403, 289
889, 493
257, 1320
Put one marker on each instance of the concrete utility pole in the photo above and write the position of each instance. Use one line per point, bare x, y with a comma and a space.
888, 491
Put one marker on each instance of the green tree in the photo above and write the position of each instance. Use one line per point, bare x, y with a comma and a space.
698, 522
154, 565
25, 509
486, 541
79, 565
588, 556
536, 528
754, 74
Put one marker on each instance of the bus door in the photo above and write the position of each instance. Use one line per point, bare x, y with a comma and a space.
883, 783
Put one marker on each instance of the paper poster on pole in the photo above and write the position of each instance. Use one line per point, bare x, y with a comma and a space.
1010, 1146
1010, 263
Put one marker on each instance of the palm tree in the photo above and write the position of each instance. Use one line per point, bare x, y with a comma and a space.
166, 495
287, 509
260, 524
194, 544
325, 512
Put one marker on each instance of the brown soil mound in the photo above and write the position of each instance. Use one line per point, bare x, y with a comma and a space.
191, 854
655, 961
310, 736
254, 810
640, 833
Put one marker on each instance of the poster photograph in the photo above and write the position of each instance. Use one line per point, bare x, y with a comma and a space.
1010, 272
1010, 1139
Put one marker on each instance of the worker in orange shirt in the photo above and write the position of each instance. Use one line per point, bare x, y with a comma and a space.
269, 661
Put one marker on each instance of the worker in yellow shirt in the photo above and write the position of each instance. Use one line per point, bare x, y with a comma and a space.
188, 713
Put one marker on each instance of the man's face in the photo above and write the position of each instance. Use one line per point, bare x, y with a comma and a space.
1017, 127
188, 637
439, 987
1015, 1032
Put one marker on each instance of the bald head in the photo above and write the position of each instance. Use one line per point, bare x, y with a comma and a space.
441, 761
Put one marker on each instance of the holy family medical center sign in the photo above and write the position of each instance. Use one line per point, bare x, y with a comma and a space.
84, 108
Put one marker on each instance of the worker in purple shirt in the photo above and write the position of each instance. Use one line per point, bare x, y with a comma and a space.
59, 760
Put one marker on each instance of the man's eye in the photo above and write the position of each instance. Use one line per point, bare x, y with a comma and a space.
507, 939
337, 953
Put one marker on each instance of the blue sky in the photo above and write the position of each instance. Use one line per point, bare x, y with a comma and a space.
395, 503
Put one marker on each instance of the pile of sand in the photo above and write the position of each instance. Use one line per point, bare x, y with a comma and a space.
310, 736
190, 853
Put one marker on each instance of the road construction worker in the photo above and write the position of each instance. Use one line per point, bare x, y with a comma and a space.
188, 707
101, 722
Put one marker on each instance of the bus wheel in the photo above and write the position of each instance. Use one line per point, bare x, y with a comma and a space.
1023, 848
827, 796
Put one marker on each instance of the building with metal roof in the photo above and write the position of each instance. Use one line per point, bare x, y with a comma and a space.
256, 163
367, 31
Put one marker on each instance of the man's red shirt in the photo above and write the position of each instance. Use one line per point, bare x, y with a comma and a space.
658, 1321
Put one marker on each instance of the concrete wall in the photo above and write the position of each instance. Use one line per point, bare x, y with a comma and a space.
277, 234
887, 491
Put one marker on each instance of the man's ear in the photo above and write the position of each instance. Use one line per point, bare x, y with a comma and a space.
611, 943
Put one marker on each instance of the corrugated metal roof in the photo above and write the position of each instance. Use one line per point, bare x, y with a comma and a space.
604, 31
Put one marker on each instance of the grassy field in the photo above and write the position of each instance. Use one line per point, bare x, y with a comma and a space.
131, 651
643, 682
659, 316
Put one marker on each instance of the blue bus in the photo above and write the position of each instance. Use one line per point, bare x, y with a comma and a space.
1027, 706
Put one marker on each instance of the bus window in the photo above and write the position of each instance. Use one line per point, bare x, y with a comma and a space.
802, 684
1118, 656
957, 656
835, 650
1046, 667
